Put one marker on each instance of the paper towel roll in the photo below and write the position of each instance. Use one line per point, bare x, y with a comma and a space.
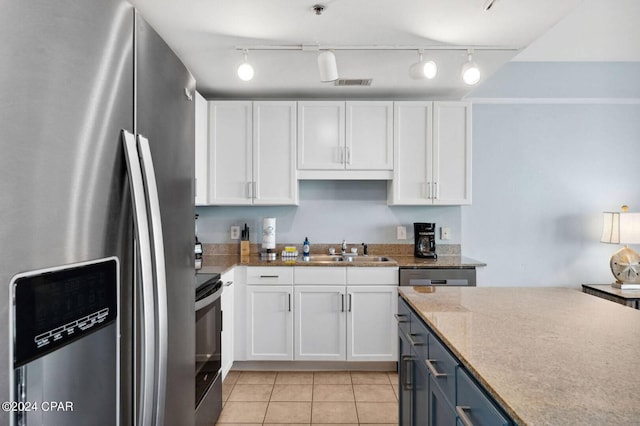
269, 233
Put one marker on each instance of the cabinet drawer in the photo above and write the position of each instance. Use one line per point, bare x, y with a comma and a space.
319, 275
419, 336
372, 276
272, 275
404, 318
442, 366
474, 404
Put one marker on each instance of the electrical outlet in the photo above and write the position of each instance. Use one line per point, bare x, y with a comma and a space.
445, 233
401, 232
235, 232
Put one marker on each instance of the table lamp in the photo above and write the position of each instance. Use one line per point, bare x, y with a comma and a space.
623, 228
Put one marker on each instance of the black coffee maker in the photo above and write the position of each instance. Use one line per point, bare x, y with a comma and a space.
425, 240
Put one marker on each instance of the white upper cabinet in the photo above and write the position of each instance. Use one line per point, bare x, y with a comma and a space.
230, 152
345, 140
274, 153
252, 149
369, 139
321, 135
432, 154
202, 149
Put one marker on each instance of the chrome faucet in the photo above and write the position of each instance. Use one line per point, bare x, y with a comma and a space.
344, 247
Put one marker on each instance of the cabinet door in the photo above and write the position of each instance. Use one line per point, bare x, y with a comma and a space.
452, 153
421, 393
269, 323
473, 405
202, 149
406, 378
371, 327
369, 135
274, 153
440, 410
321, 133
230, 152
226, 303
320, 324
412, 153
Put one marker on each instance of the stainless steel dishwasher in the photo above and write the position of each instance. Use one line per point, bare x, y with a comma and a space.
438, 276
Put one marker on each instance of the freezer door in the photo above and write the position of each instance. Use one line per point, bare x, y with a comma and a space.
66, 90
165, 116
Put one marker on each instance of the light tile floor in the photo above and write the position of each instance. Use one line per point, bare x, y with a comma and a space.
347, 398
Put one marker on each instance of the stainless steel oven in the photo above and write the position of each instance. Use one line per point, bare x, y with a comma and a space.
208, 348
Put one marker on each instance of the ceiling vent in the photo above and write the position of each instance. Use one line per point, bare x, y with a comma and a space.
353, 82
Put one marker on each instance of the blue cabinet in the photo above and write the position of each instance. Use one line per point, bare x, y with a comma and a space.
473, 405
435, 389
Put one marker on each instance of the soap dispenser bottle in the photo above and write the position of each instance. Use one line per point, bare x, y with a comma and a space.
306, 248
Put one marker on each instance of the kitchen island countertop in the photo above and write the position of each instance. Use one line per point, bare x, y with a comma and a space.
547, 355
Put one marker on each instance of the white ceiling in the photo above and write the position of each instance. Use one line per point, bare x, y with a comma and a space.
206, 35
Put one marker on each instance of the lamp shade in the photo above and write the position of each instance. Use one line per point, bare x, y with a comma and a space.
327, 66
620, 228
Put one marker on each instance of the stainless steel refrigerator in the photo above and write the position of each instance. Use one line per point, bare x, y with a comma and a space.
75, 78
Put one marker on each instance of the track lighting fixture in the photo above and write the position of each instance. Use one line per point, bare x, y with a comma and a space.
327, 66
423, 69
245, 70
470, 71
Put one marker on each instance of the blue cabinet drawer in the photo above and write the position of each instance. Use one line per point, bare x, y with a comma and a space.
473, 406
442, 366
403, 317
419, 337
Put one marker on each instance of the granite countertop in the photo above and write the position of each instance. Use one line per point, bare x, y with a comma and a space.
221, 263
547, 355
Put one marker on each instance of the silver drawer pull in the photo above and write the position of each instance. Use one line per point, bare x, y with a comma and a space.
413, 342
399, 317
228, 283
429, 363
463, 416
269, 276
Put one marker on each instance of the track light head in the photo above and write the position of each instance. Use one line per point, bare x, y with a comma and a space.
470, 71
327, 66
245, 70
423, 69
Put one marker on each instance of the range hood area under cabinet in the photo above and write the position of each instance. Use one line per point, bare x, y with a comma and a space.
246, 151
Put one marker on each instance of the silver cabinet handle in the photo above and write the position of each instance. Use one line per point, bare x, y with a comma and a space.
463, 416
348, 155
228, 283
155, 220
436, 190
254, 189
429, 190
407, 360
269, 276
289, 294
399, 317
248, 189
432, 368
147, 306
413, 342
350, 301
342, 302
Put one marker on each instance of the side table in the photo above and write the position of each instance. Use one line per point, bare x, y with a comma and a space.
606, 291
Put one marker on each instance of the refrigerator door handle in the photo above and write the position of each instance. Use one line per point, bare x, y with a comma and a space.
157, 246
147, 306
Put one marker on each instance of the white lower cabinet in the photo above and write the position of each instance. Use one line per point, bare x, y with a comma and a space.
339, 317
320, 323
269, 322
371, 332
226, 303
327, 314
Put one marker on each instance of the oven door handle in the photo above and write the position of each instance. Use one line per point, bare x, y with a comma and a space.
203, 303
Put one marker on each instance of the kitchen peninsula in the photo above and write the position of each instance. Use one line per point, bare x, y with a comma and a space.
544, 355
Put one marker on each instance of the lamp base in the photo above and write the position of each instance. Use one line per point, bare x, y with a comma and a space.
625, 266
